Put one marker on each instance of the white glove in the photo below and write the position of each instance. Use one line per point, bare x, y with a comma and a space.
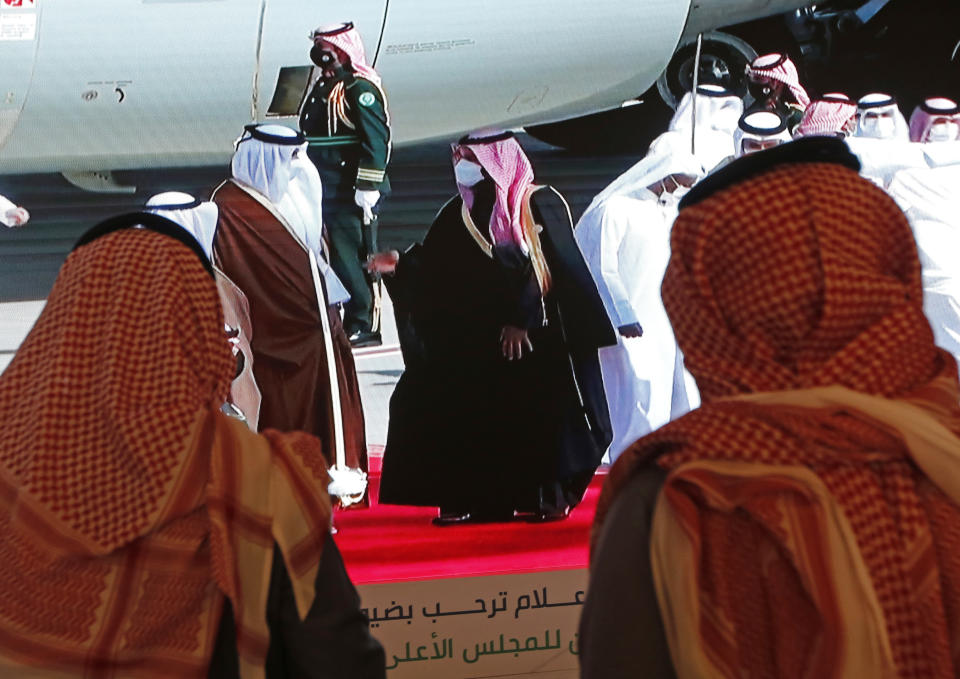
16, 217
365, 200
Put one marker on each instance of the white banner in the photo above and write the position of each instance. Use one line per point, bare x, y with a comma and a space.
508, 626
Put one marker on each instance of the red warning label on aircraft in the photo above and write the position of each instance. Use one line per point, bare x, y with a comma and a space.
20, 3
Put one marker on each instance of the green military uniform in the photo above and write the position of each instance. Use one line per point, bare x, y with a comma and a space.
349, 141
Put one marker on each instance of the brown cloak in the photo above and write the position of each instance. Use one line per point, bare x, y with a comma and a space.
244, 393
262, 256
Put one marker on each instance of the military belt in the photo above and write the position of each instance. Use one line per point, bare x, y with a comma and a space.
339, 140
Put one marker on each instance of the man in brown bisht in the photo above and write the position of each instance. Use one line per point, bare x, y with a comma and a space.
199, 219
143, 533
269, 241
803, 521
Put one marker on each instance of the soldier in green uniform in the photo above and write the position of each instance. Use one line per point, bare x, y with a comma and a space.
345, 119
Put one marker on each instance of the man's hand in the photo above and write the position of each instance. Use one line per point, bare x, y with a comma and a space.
631, 330
512, 341
365, 200
383, 262
16, 216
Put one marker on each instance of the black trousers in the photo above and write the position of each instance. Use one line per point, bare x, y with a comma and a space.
331, 643
350, 243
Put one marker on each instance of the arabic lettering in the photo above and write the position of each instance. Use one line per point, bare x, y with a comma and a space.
441, 649
394, 612
530, 644
574, 644
537, 599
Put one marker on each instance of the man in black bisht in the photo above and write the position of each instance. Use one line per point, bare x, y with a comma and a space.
501, 408
345, 119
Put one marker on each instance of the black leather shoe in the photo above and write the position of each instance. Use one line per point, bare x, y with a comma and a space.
545, 517
451, 518
454, 518
365, 338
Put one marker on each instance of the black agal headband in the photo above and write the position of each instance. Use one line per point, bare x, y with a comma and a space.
255, 130
151, 222
804, 150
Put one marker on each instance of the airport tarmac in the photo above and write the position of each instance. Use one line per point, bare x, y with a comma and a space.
422, 181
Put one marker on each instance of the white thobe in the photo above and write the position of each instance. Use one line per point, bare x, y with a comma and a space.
5, 206
928, 198
881, 159
626, 244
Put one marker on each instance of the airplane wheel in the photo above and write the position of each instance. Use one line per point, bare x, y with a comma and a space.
723, 61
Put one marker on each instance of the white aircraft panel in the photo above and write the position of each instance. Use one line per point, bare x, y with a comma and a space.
19, 27
499, 62
115, 77
120, 84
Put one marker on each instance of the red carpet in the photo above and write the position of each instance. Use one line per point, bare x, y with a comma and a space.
388, 543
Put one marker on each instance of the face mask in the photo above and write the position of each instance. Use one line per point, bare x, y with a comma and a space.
758, 90
467, 173
671, 191
943, 132
880, 127
667, 198
321, 57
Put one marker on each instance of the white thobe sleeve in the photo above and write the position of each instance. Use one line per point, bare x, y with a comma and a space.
614, 224
5, 206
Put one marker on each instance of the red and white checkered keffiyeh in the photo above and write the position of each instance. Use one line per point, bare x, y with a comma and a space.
129, 504
779, 68
510, 169
928, 112
350, 42
804, 277
830, 115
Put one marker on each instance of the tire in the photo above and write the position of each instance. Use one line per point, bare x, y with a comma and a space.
723, 61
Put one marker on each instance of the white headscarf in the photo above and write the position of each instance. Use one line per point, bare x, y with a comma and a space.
199, 218
881, 104
717, 114
669, 154
301, 204
762, 126
717, 110
265, 166
933, 114
302, 208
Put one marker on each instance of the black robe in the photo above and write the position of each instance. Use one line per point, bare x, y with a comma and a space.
470, 430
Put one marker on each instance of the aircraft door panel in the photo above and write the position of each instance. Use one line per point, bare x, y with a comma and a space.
172, 78
439, 57
19, 36
284, 66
